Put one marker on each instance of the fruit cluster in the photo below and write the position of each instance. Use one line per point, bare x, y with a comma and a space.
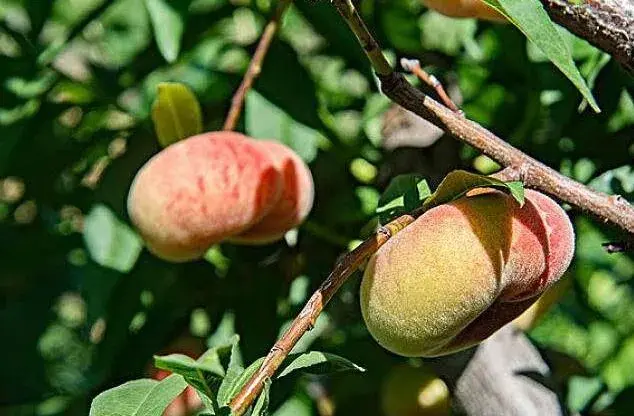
463, 270
218, 186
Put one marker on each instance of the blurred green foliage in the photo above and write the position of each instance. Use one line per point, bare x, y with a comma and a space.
83, 309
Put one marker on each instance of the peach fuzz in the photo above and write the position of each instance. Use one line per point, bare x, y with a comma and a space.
463, 270
465, 8
295, 202
201, 190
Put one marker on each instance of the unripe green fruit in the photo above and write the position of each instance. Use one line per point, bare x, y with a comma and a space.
200, 191
465, 8
463, 270
411, 391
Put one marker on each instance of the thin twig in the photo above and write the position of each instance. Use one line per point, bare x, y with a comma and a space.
255, 67
519, 166
315, 305
413, 66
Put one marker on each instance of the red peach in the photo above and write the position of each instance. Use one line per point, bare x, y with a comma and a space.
294, 204
200, 191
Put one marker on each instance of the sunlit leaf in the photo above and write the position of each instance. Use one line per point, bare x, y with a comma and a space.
110, 242
176, 113
138, 398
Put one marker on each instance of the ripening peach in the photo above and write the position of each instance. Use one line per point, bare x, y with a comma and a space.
412, 391
465, 8
295, 202
463, 270
200, 191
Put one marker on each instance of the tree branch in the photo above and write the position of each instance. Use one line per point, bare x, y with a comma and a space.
606, 24
315, 305
255, 67
533, 173
519, 166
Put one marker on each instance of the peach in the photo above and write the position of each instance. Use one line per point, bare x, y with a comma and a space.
295, 202
411, 391
201, 190
463, 270
465, 8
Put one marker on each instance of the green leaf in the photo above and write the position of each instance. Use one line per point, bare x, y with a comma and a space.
530, 17
138, 398
318, 363
403, 194
264, 120
234, 370
168, 20
205, 374
241, 380
261, 407
459, 182
110, 242
176, 113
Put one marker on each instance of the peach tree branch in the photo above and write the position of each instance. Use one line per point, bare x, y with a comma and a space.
519, 166
255, 66
606, 24
315, 305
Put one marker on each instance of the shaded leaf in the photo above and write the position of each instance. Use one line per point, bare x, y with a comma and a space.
138, 398
403, 194
110, 242
176, 113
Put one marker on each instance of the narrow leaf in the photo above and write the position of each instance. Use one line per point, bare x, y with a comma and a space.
138, 398
530, 17
168, 21
176, 113
318, 363
234, 369
261, 407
